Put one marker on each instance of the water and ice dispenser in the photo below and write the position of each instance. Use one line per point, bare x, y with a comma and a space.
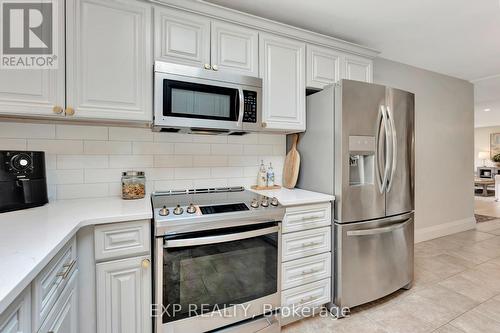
361, 160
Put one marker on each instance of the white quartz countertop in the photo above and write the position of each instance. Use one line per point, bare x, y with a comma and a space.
296, 196
30, 238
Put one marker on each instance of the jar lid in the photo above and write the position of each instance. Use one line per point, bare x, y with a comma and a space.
133, 173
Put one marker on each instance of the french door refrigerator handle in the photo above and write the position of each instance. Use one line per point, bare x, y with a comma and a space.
382, 120
394, 149
377, 231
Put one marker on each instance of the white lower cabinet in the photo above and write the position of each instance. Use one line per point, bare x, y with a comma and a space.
63, 317
124, 295
306, 268
17, 317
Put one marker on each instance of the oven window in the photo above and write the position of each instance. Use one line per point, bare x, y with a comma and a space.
193, 100
215, 276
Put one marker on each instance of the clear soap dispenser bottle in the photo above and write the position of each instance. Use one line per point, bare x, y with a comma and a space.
262, 175
270, 175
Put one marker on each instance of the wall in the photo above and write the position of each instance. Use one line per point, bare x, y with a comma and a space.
87, 161
482, 143
444, 147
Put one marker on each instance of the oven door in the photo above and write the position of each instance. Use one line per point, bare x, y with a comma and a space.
208, 280
197, 103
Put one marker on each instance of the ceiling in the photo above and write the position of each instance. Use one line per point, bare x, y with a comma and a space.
459, 38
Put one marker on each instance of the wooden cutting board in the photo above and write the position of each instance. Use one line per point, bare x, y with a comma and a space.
292, 164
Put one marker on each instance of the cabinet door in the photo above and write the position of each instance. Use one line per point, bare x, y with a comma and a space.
17, 317
282, 68
323, 66
358, 68
109, 59
124, 296
235, 48
35, 92
182, 37
63, 317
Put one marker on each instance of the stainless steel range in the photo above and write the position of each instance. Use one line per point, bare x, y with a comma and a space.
217, 264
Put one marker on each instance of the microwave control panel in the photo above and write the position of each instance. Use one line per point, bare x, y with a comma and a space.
250, 106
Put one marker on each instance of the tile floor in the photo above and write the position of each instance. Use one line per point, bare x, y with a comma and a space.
456, 290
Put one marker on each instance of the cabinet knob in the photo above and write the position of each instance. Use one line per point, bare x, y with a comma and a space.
215, 67
145, 263
70, 111
57, 109
264, 124
207, 66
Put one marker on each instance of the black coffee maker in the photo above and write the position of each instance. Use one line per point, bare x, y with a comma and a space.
22, 180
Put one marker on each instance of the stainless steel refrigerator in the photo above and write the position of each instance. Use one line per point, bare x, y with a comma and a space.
359, 146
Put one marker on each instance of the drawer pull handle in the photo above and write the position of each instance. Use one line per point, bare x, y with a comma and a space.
311, 244
307, 299
67, 269
312, 217
310, 271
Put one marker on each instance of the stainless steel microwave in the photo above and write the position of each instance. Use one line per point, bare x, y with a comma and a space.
193, 100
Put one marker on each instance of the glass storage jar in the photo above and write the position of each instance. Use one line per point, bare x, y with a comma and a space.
133, 185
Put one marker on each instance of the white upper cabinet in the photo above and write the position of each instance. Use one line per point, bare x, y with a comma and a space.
37, 92
234, 48
182, 37
282, 69
323, 66
109, 59
358, 68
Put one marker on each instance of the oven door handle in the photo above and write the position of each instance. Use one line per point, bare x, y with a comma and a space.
219, 238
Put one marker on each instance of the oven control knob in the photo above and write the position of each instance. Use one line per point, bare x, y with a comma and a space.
164, 211
274, 201
265, 203
178, 210
255, 203
191, 209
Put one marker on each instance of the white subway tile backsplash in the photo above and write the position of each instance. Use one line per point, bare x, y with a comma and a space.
27, 131
242, 161
209, 161
272, 139
192, 149
76, 132
103, 175
131, 161
77, 191
227, 172
227, 149
167, 185
87, 161
209, 183
82, 161
107, 147
258, 149
191, 173
13, 144
159, 173
56, 146
171, 161
58, 177
152, 148
130, 134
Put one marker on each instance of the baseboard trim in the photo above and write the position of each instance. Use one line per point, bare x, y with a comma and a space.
444, 229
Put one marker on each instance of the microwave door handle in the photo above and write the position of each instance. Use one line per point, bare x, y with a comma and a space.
242, 108
218, 238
